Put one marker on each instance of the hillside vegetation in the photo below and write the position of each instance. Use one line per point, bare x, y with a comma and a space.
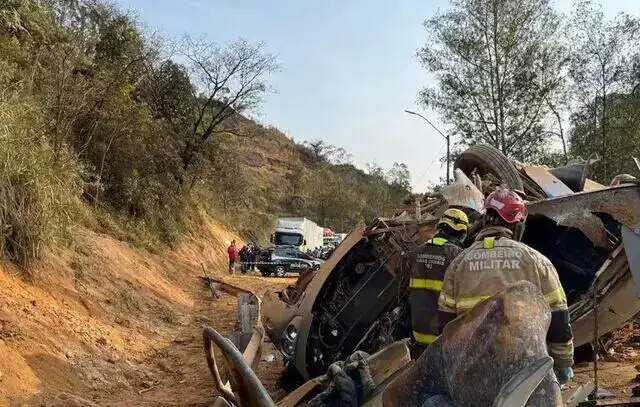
101, 125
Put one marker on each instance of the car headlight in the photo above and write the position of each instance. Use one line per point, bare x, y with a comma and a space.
292, 333
289, 340
288, 348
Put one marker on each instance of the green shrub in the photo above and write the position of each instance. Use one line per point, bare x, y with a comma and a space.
38, 186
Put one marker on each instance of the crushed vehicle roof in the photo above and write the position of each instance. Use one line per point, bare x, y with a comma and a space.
358, 298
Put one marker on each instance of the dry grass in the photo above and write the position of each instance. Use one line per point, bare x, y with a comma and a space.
38, 185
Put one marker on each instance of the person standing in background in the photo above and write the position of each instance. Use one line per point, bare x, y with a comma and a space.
244, 258
232, 251
255, 256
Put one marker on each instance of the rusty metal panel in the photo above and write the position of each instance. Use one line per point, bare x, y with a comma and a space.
631, 243
623, 203
614, 309
551, 185
591, 185
633, 401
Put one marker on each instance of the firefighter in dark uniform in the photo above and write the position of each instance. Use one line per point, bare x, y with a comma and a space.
427, 273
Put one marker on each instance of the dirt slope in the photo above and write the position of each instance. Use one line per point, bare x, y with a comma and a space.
102, 322
113, 324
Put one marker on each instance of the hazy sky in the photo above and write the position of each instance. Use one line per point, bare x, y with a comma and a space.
348, 68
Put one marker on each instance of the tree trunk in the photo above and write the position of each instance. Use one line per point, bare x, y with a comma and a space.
96, 198
503, 143
560, 132
603, 125
495, 138
604, 138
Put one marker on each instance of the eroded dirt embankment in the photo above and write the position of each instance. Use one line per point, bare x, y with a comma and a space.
114, 325
103, 323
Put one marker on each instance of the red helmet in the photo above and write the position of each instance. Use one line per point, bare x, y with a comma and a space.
507, 204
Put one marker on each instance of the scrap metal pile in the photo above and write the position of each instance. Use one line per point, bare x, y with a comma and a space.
358, 299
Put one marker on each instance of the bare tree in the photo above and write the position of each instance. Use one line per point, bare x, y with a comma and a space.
231, 80
325, 152
557, 116
399, 176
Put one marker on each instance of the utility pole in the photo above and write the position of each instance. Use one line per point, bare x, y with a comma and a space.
446, 137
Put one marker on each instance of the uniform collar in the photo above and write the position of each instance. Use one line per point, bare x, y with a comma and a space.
496, 231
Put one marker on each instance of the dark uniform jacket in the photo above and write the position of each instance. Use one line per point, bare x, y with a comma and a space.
430, 263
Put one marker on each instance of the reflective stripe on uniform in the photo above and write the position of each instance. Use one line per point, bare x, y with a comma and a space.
489, 241
466, 303
426, 284
556, 298
565, 348
438, 241
447, 301
425, 339
562, 353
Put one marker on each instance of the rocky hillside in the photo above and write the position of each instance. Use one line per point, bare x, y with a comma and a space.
277, 177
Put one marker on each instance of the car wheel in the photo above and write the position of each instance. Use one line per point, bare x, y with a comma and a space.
486, 159
280, 271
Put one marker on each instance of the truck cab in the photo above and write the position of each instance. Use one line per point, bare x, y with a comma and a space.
301, 233
287, 237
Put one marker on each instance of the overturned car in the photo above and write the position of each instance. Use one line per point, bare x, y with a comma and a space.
358, 299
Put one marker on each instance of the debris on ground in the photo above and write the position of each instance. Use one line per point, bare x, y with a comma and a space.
268, 358
358, 297
623, 344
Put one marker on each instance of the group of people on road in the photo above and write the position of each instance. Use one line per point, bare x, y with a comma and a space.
322, 253
448, 279
248, 256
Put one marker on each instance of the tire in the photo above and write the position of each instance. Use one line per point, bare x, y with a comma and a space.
487, 159
279, 271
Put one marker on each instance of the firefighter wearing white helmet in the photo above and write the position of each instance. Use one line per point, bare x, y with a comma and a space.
430, 262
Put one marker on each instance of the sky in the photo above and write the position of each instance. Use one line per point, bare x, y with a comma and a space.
348, 69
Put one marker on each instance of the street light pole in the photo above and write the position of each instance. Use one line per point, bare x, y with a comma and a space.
446, 137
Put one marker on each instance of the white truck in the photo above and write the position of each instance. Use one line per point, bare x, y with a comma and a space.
334, 239
299, 232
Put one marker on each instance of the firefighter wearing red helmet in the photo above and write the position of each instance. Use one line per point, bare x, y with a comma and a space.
496, 260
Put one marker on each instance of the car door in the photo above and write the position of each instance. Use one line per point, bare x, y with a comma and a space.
310, 261
284, 256
298, 260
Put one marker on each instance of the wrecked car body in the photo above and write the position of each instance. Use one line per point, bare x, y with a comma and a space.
358, 299
500, 343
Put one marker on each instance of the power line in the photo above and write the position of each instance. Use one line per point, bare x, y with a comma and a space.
431, 165
446, 137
